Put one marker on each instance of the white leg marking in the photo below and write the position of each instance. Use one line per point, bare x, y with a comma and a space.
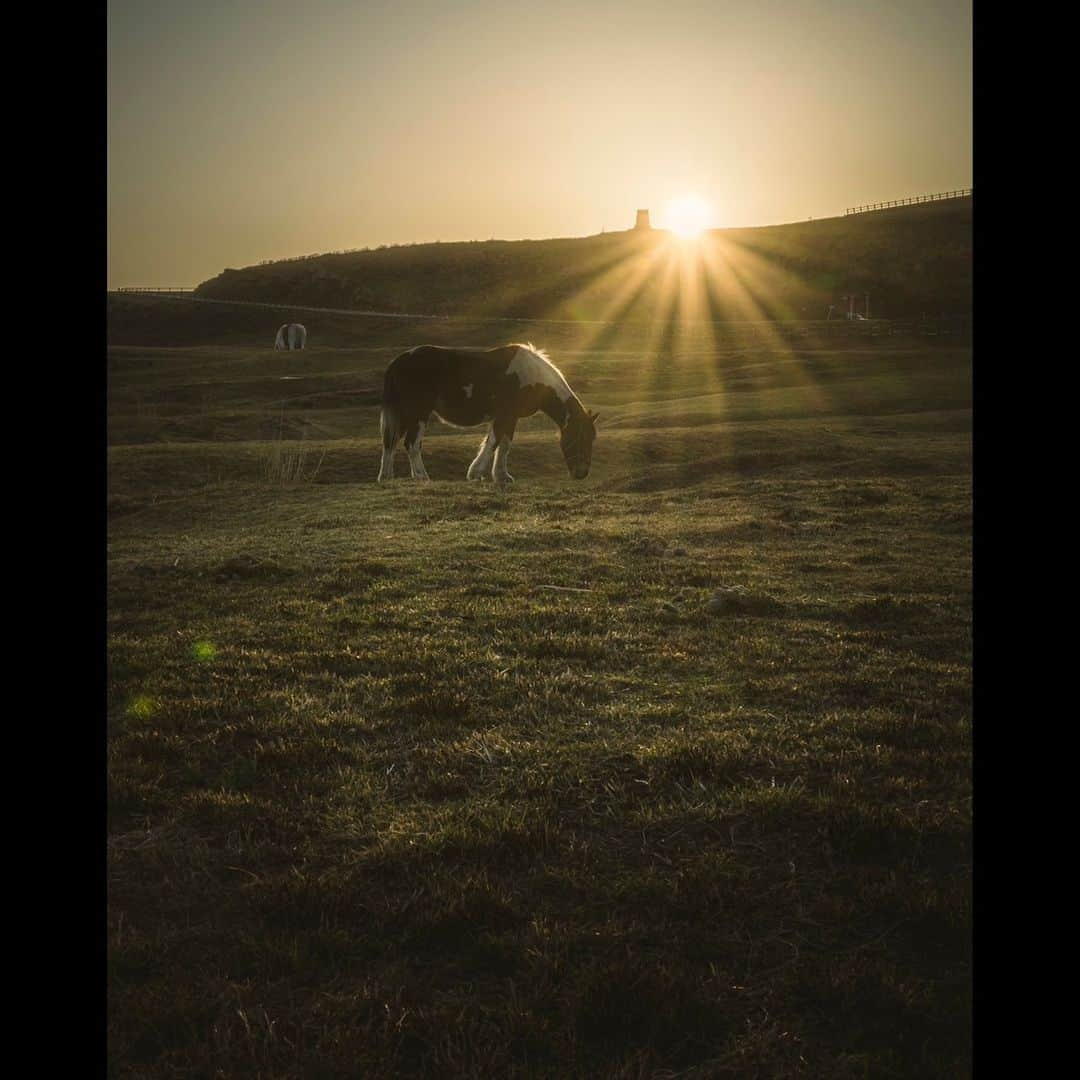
386, 469
416, 462
502, 456
481, 464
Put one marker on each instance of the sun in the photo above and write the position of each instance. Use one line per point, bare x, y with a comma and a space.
688, 215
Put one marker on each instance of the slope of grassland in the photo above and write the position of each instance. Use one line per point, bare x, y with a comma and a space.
444, 781
911, 260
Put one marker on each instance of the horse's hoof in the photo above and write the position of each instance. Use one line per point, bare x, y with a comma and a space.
503, 481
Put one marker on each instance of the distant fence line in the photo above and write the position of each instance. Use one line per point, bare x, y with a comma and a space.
959, 194
928, 325
360, 312
155, 291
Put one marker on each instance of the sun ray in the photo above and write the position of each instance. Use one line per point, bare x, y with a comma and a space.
631, 292
677, 302
746, 272
586, 276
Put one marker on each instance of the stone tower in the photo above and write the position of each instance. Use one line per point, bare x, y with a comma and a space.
642, 220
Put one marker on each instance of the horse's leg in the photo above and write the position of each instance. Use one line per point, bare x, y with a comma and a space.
481, 464
414, 438
389, 424
503, 431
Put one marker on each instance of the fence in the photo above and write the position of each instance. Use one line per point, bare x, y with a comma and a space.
928, 325
144, 290
959, 194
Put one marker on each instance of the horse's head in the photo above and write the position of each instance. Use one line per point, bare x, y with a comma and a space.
576, 440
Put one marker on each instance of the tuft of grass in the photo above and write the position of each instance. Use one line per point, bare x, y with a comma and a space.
286, 463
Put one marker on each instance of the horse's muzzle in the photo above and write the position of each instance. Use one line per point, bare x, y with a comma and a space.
581, 472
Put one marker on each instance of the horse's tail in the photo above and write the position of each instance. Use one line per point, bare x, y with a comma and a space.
389, 417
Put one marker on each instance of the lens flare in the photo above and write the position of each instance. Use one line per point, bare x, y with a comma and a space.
143, 707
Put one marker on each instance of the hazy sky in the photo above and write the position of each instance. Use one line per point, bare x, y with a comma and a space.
242, 131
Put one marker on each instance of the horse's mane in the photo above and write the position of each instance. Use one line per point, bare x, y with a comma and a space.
530, 347
533, 349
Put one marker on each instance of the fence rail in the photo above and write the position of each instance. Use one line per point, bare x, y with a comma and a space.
955, 324
146, 290
960, 193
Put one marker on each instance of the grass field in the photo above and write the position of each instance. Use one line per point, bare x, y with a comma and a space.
447, 781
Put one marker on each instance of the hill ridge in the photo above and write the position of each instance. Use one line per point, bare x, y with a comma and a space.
911, 259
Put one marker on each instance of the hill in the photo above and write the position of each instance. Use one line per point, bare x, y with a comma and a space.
910, 260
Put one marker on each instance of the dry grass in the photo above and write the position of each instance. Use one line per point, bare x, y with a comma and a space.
289, 463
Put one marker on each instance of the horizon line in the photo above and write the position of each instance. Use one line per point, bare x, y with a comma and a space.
850, 212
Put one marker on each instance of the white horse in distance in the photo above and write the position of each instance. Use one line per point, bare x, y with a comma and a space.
291, 336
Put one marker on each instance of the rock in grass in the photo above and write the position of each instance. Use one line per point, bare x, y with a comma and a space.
645, 545
248, 568
673, 551
723, 604
737, 601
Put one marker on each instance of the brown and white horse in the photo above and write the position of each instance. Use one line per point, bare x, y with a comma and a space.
466, 387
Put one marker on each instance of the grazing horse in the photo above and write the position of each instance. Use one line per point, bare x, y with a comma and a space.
291, 336
466, 387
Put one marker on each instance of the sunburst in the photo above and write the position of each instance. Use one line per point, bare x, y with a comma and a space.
687, 216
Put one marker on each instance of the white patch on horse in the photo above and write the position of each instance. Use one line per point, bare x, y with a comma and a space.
467, 390
481, 464
533, 368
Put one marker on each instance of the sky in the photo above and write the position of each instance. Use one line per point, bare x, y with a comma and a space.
241, 131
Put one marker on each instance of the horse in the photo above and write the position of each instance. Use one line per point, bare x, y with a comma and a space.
467, 387
291, 336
